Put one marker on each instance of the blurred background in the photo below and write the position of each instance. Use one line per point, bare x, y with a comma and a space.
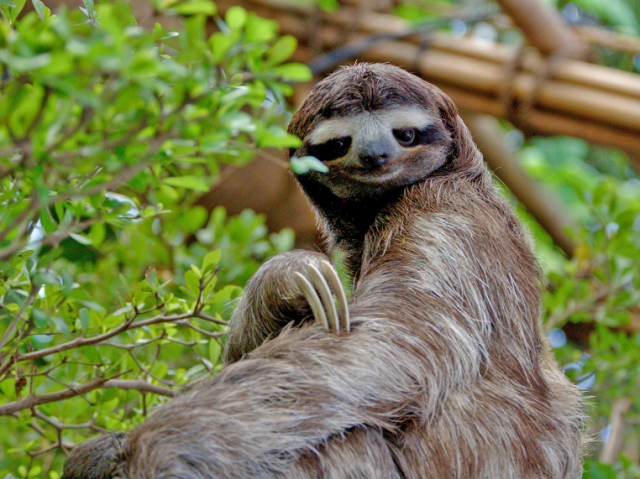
551, 93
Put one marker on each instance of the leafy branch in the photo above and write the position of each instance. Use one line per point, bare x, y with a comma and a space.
108, 135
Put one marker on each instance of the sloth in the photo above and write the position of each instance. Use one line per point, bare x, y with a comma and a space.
436, 368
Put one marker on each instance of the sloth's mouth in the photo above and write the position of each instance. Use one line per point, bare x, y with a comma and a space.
384, 174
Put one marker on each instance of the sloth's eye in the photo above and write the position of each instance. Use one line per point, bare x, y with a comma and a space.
416, 136
330, 150
405, 137
339, 144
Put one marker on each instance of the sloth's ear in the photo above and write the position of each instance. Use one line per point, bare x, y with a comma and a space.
96, 458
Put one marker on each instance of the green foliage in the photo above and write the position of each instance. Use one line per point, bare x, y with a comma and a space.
600, 285
623, 469
114, 285
614, 12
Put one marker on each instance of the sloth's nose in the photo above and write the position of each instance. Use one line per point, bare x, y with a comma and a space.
374, 161
377, 150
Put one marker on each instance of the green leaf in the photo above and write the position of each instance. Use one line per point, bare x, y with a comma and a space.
220, 44
25, 64
210, 260
196, 7
47, 222
85, 318
80, 239
39, 7
18, 10
238, 122
43, 277
7, 3
188, 182
123, 310
20, 258
226, 293
89, 5
12, 11
148, 212
284, 240
41, 316
235, 17
305, 164
193, 282
235, 94
214, 350
93, 306
277, 137
259, 29
293, 72
329, 5
281, 50
192, 219
42, 338
92, 354
236, 80
97, 233
196, 271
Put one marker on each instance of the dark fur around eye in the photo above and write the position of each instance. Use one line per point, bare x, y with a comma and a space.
330, 150
424, 136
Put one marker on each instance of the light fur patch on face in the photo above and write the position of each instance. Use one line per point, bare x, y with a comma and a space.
395, 118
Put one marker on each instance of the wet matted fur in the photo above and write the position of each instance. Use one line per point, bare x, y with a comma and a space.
445, 373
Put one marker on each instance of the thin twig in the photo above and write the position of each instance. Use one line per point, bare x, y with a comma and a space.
273, 159
53, 239
586, 304
149, 373
139, 385
36, 120
614, 443
22, 221
185, 322
58, 425
211, 319
18, 317
129, 347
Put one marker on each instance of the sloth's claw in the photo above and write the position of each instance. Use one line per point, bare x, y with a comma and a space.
314, 301
325, 294
318, 290
334, 281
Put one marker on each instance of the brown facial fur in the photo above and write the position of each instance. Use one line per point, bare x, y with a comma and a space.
445, 374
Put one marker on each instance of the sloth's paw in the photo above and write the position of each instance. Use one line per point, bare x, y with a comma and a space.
319, 287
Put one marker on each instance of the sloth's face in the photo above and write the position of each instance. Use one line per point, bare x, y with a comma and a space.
375, 151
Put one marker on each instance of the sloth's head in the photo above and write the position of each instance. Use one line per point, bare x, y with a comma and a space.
379, 129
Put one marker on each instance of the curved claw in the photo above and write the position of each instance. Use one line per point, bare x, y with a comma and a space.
334, 281
325, 294
319, 288
313, 299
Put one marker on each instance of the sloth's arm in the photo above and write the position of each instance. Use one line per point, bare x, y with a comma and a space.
290, 288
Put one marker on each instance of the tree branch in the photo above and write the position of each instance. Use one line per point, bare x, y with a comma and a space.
31, 400
78, 342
